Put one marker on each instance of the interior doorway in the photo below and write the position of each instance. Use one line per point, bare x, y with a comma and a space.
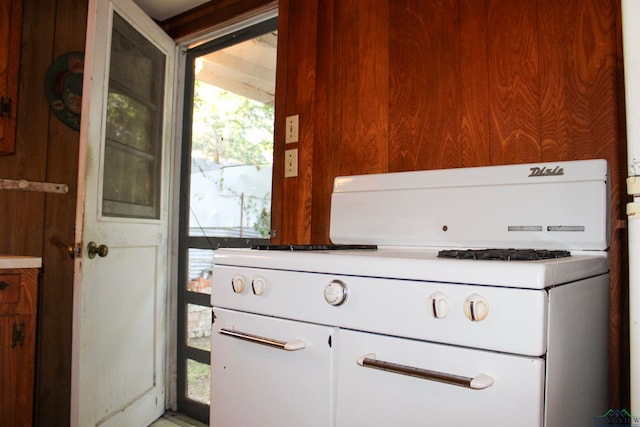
225, 185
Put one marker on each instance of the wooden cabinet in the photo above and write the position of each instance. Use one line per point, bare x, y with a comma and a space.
10, 34
18, 303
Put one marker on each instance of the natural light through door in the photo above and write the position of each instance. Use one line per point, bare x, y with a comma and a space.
226, 181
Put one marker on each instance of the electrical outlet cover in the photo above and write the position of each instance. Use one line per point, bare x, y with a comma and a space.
291, 163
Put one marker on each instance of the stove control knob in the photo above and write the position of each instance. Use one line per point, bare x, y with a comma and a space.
258, 285
237, 283
439, 305
335, 293
476, 307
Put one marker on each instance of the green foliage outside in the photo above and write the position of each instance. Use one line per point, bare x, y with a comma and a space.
230, 129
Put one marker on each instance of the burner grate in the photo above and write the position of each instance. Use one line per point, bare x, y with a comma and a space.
503, 254
312, 247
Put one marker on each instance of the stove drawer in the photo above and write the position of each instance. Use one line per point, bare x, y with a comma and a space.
400, 383
270, 372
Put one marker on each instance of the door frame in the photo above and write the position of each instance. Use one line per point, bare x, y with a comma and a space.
218, 39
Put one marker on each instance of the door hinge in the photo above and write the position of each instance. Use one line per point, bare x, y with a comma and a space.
5, 107
17, 335
633, 186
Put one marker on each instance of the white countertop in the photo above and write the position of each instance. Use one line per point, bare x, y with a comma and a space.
9, 261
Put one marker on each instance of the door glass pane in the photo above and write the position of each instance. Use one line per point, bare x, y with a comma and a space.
131, 180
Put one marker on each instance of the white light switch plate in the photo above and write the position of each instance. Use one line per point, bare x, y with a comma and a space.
291, 133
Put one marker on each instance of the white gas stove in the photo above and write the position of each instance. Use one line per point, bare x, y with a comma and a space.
454, 333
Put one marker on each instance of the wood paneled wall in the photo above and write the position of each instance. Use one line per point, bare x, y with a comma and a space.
399, 85
380, 85
43, 224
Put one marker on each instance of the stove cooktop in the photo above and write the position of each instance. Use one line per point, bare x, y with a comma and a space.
329, 247
494, 254
503, 254
424, 265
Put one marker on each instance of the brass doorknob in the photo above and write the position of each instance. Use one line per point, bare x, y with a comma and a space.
93, 249
73, 252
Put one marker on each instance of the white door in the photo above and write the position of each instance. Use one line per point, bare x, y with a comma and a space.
119, 319
631, 42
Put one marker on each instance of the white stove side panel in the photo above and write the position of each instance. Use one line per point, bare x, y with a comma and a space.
578, 353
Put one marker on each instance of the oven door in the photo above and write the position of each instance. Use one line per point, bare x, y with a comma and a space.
267, 371
388, 381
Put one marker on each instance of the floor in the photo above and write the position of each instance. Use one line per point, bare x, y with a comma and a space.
173, 419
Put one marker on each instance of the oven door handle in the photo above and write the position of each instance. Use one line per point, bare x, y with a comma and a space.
292, 345
478, 382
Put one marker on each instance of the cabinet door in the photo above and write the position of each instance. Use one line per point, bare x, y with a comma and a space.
10, 34
18, 294
16, 365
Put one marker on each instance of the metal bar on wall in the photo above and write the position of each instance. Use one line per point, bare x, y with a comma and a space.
24, 185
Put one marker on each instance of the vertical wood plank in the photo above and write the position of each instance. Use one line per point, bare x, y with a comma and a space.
326, 150
514, 91
424, 113
364, 78
10, 35
577, 79
474, 84
53, 364
301, 77
560, 41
